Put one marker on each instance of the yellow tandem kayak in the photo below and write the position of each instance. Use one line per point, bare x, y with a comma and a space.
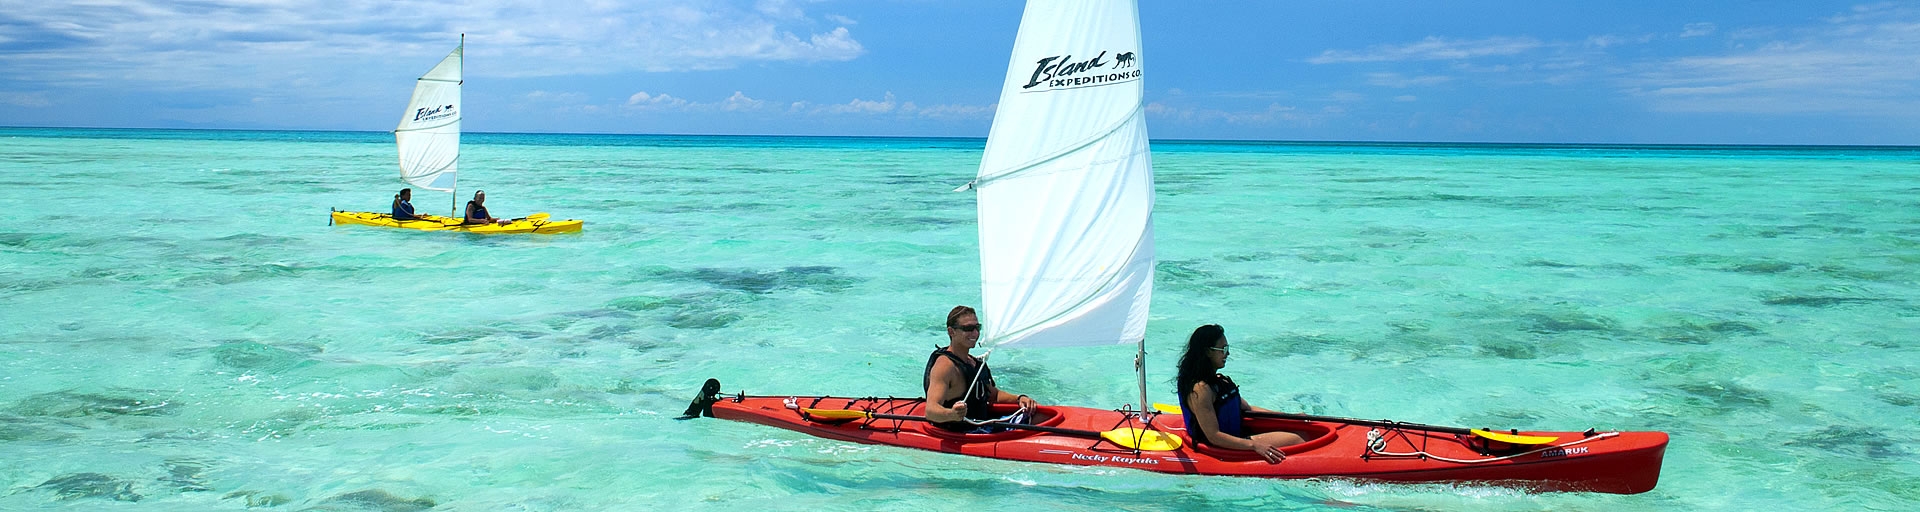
537, 223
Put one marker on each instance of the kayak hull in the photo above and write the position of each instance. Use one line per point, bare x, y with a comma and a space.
438, 223
1612, 462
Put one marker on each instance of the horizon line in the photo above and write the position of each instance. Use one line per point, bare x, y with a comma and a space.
983, 138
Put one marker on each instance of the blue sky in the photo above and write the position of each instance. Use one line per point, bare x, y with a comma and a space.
1750, 72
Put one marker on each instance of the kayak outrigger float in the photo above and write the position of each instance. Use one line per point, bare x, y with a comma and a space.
1608, 462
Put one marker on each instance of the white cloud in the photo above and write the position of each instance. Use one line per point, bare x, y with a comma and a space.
241, 43
644, 101
739, 102
1861, 63
657, 101
1604, 41
543, 96
842, 20
1396, 80
889, 105
1432, 48
950, 111
860, 106
1697, 30
779, 9
25, 99
1274, 113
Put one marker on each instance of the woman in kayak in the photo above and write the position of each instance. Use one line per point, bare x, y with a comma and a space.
1211, 403
403, 205
477, 210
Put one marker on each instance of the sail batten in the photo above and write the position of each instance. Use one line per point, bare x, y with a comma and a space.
429, 133
1065, 187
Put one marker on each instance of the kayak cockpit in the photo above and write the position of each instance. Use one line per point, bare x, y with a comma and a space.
1042, 416
1315, 434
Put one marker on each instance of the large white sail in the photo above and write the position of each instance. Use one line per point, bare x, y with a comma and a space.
1066, 184
429, 132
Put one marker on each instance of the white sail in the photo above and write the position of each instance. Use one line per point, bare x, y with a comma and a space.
429, 132
1066, 184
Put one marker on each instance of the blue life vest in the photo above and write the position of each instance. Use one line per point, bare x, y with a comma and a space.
1226, 409
403, 210
475, 211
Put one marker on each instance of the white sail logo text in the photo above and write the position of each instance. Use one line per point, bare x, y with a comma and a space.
432, 113
1062, 71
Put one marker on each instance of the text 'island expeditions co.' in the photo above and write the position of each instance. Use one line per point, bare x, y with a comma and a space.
1062, 72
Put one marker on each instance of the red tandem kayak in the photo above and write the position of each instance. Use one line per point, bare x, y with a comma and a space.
1610, 462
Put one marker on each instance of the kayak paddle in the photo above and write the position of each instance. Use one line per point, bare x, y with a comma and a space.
1487, 434
1138, 439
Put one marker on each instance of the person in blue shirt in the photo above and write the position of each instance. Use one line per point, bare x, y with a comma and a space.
477, 210
1211, 404
403, 205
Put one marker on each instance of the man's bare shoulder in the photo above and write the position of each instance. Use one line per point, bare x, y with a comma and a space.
944, 368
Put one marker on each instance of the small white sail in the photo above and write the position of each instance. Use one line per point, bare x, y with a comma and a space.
1066, 184
429, 132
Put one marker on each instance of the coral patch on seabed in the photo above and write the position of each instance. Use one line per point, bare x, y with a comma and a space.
90, 485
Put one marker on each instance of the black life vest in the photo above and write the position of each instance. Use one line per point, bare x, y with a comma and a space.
979, 402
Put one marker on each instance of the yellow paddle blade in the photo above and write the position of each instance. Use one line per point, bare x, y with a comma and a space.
837, 414
1167, 408
1514, 439
1143, 440
539, 217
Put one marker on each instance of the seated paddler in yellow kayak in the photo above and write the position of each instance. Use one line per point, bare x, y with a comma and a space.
477, 211
403, 205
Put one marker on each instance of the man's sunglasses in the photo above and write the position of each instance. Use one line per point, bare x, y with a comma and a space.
967, 328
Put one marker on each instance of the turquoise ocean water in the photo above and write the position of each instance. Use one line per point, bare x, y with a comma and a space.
180, 329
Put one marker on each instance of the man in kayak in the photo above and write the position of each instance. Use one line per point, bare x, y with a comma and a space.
403, 205
952, 395
1211, 403
477, 210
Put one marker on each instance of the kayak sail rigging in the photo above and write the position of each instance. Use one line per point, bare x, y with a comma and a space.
429, 131
1065, 187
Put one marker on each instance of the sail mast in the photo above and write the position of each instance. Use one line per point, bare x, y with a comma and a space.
453, 192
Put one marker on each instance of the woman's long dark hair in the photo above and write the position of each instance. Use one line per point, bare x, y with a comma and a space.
1194, 364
